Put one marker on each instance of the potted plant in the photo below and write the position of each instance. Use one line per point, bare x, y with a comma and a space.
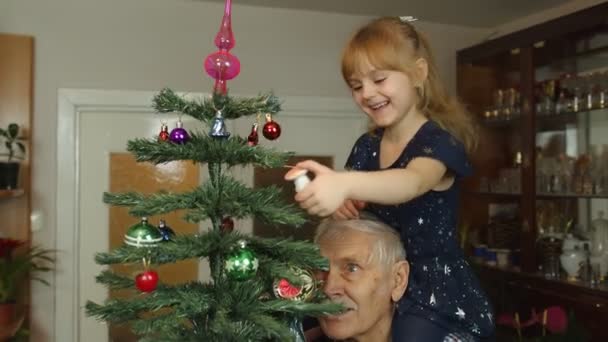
15, 268
9, 169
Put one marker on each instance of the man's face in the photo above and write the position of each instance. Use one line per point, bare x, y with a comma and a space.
364, 287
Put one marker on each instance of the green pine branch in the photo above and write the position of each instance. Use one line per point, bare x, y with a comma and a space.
235, 306
275, 254
204, 149
192, 298
228, 198
301, 309
168, 101
223, 309
114, 281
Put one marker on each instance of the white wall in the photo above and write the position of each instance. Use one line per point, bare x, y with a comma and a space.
149, 44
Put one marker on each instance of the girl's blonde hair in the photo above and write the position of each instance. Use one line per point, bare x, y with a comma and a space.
391, 44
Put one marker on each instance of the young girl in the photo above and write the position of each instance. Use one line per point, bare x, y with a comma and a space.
405, 170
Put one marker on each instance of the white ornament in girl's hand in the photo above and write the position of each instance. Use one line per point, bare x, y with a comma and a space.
299, 178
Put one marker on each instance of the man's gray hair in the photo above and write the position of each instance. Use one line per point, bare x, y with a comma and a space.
387, 248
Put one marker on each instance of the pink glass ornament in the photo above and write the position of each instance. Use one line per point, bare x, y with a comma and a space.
224, 39
221, 65
220, 87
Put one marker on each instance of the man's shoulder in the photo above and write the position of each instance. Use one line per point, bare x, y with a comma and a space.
323, 339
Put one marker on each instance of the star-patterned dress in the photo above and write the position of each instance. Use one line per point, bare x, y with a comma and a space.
441, 286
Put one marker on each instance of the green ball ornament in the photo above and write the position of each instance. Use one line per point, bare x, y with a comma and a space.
241, 263
143, 234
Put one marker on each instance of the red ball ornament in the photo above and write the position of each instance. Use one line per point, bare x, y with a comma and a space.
227, 224
271, 130
147, 281
164, 133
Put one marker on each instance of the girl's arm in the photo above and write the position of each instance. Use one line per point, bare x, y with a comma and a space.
329, 189
395, 186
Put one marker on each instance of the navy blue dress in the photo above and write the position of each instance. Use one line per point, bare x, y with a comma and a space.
442, 287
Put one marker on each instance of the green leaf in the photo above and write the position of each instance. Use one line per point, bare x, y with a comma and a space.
21, 147
13, 130
3, 133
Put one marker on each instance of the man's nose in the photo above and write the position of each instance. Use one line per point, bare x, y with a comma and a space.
333, 284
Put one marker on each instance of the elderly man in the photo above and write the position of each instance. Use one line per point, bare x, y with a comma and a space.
368, 274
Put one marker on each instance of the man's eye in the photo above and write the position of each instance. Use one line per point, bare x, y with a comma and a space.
356, 87
380, 80
352, 268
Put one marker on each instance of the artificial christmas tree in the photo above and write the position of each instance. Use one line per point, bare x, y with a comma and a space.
260, 288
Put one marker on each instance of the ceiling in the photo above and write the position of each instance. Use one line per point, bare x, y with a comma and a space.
476, 13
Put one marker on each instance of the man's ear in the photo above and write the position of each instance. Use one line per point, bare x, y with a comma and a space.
401, 272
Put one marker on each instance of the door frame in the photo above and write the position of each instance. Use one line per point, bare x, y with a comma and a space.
72, 103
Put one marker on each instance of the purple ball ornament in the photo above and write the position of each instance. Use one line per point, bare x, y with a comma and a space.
179, 135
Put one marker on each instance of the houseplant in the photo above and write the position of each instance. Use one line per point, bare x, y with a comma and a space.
9, 169
17, 263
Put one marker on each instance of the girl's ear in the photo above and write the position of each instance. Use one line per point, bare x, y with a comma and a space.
422, 70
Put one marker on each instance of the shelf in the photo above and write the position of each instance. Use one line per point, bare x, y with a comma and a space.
501, 123
4, 194
538, 195
580, 286
494, 194
570, 195
545, 121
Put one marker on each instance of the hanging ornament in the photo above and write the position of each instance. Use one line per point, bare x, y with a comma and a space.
271, 130
224, 38
179, 135
299, 178
143, 234
282, 288
147, 280
221, 65
297, 330
164, 133
218, 127
165, 231
241, 263
252, 139
227, 224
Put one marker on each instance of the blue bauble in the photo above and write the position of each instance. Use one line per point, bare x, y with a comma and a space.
165, 231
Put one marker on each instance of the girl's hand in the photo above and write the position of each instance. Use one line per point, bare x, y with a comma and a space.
349, 210
326, 193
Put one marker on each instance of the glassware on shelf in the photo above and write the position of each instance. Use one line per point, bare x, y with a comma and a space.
582, 181
602, 90
599, 243
562, 105
572, 257
498, 102
549, 96
505, 105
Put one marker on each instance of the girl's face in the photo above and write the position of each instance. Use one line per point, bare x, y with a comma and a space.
386, 96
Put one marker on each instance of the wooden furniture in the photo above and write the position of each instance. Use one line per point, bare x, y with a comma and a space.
16, 103
540, 96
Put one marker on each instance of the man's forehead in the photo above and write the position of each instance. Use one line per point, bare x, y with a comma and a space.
348, 245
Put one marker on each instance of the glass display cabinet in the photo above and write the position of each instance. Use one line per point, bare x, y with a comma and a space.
535, 214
